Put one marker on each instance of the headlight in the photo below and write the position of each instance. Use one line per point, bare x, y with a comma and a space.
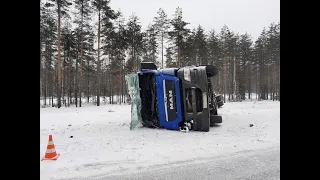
186, 75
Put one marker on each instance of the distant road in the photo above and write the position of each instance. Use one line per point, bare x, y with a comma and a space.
263, 164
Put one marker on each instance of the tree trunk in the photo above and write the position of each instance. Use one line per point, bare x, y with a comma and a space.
162, 50
179, 63
243, 83
64, 77
41, 94
54, 84
257, 77
122, 82
52, 99
88, 83
234, 79
278, 82
46, 85
76, 88
229, 83
249, 79
69, 69
262, 77
110, 85
104, 85
81, 55
59, 58
268, 82
98, 66
224, 79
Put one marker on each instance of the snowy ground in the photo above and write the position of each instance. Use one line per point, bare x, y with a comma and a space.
92, 101
106, 100
103, 144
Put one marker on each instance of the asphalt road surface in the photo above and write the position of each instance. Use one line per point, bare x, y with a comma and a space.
249, 165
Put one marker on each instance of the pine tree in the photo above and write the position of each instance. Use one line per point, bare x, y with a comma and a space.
114, 65
49, 48
84, 11
179, 33
66, 31
121, 45
273, 58
42, 9
213, 48
260, 55
169, 59
229, 53
151, 45
135, 41
236, 68
69, 47
62, 9
105, 14
201, 47
225, 38
277, 59
161, 26
76, 50
90, 55
188, 50
214, 57
245, 56
116, 46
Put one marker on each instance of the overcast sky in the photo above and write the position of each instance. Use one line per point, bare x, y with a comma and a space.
239, 15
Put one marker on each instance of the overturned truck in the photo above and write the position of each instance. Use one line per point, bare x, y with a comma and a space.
174, 98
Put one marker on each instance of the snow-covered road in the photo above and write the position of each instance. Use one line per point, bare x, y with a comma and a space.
259, 164
103, 144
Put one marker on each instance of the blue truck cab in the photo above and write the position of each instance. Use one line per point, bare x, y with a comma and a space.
172, 98
167, 97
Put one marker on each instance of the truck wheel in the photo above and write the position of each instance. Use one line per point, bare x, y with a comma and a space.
214, 112
212, 123
147, 66
215, 119
220, 104
219, 98
211, 71
202, 124
205, 125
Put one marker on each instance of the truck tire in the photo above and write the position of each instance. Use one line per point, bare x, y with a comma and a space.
211, 71
202, 124
212, 123
205, 125
147, 66
220, 104
215, 119
219, 97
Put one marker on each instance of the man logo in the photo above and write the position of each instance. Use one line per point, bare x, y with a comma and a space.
171, 99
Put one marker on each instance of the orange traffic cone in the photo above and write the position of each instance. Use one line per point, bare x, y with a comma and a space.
51, 153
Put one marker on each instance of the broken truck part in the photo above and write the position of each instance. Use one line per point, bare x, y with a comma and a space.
174, 98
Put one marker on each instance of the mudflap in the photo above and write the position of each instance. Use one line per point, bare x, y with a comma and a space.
132, 82
215, 119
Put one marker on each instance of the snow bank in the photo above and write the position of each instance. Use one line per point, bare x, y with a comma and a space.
103, 144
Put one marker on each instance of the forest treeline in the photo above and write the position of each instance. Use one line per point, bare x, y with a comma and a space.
86, 53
